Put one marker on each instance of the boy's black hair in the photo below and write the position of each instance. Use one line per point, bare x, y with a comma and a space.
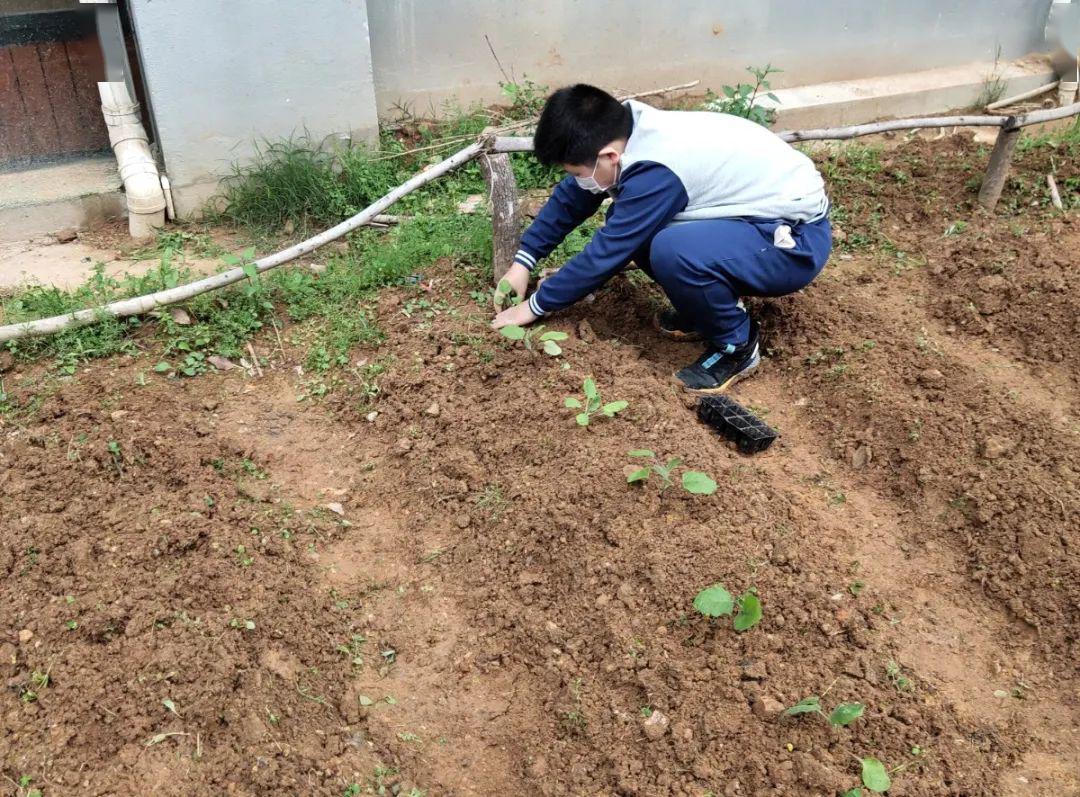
577, 122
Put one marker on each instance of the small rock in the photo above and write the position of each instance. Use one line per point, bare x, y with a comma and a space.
932, 378
317, 268
861, 457
336, 508
117, 414
470, 204
180, 316
404, 445
289, 227
25, 636
210, 404
371, 416
994, 447
221, 363
754, 670
586, 332
66, 235
463, 521
528, 577
7, 360
767, 707
538, 769
433, 410
656, 725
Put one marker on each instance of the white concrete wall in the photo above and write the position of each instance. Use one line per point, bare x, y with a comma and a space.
426, 51
223, 74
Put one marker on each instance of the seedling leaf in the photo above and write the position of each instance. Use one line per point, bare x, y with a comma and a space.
513, 332
505, 287
852, 793
589, 386
171, 706
641, 452
698, 483
366, 701
582, 419
714, 601
162, 367
808, 705
749, 612
846, 713
638, 476
674, 462
553, 336
874, 776
615, 406
572, 403
552, 348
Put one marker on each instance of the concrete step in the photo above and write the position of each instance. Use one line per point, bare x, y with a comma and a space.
72, 193
925, 93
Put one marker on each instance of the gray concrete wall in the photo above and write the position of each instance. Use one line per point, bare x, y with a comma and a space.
223, 75
426, 51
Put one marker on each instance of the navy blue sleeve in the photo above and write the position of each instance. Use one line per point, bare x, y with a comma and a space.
567, 208
649, 196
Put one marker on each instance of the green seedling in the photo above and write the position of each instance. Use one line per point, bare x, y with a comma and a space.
693, 481
505, 296
716, 601
593, 404
113, 448
527, 337
243, 558
902, 683
874, 776
843, 714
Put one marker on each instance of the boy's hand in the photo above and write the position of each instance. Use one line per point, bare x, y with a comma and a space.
520, 316
518, 277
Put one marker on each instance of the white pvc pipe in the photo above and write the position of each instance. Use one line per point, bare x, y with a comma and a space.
166, 188
141, 304
138, 169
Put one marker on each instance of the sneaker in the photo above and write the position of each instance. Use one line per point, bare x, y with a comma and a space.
672, 325
716, 370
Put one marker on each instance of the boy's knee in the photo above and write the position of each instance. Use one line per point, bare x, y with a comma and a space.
664, 253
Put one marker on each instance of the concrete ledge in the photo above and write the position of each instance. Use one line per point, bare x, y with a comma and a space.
77, 193
933, 91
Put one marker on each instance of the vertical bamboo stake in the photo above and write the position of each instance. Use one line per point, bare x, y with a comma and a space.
505, 215
998, 168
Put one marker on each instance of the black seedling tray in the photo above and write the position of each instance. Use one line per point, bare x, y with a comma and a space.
736, 423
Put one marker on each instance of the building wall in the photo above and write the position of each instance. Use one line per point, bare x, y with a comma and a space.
426, 51
226, 75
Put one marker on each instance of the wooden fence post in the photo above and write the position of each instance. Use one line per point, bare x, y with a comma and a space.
998, 169
505, 215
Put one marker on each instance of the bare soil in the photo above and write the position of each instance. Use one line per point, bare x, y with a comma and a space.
462, 595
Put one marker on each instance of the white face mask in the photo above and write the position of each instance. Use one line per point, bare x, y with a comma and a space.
589, 183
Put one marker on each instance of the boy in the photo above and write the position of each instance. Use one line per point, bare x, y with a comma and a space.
711, 206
